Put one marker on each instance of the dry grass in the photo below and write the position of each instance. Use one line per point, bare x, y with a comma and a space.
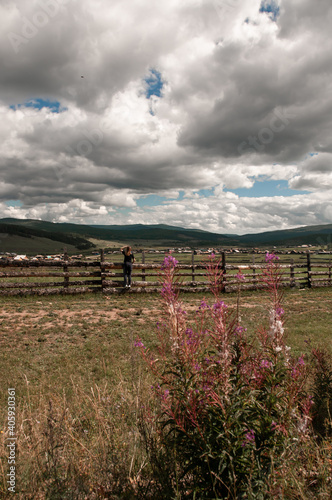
80, 385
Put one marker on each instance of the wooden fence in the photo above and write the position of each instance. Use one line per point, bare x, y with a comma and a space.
47, 277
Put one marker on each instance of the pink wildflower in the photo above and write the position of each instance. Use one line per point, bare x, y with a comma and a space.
301, 361
249, 437
266, 364
170, 262
218, 306
271, 257
279, 311
203, 305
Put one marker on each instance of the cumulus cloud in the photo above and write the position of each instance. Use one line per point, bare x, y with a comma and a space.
164, 98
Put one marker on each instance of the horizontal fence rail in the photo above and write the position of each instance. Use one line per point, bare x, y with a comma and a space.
47, 277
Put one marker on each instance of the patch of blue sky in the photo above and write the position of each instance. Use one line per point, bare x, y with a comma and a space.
151, 200
267, 188
270, 7
13, 203
260, 189
205, 193
312, 154
38, 103
123, 211
154, 84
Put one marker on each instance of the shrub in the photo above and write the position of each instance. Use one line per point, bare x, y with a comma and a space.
322, 393
232, 407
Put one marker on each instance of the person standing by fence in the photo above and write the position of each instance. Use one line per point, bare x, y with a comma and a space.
129, 259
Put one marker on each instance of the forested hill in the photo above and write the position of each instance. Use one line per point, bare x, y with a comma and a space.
138, 233
79, 235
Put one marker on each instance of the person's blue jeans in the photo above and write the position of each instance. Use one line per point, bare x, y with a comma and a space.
127, 268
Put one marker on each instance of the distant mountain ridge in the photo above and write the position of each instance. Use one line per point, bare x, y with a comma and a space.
150, 226
162, 234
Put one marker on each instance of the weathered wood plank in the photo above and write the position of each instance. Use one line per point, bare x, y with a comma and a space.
321, 279
47, 263
144, 274
51, 291
319, 273
49, 274
48, 284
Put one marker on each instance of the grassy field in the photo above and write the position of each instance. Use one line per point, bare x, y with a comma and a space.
49, 340
78, 353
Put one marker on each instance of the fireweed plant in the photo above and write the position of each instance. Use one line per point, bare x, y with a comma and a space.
232, 406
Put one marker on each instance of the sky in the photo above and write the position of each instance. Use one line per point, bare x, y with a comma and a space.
205, 114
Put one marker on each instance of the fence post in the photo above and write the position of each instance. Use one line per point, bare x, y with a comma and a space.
102, 269
292, 275
329, 272
143, 262
65, 269
223, 268
254, 281
193, 268
309, 268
